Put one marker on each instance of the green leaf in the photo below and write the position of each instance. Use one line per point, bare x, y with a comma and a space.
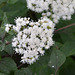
11, 32
68, 68
69, 47
16, 10
7, 66
1, 14
2, 46
19, 72
3, 53
57, 58
9, 49
46, 71
2, 33
27, 71
23, 71
5, 19
58, 44
68, 34
12, 1
8, 38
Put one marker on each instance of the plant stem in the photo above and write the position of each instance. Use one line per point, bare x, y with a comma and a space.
20, 65
7, 43
64, 27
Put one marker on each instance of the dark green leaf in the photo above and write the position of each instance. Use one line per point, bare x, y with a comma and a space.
68, 34
5, 20
7, 66
11, 32
46, 71
19, 72
68, 68
2, 53
8, 37
57, 58
69, 47
23, 71
27, 71
2, 46
2, 33
8, 49
1, 14
12, 1
63, 23
19, 9
58, 44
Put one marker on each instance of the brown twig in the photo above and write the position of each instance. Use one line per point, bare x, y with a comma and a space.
20, 65
7, 43
64, 27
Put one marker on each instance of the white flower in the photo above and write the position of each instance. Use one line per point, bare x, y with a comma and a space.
56, 9
8, 27
38, 5
32, 38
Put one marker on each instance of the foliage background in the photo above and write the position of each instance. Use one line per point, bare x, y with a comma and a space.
61, 55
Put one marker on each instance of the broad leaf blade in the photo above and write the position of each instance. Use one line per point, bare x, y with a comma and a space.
69, 47
2, 46
23, 71
7, 65
12, 1
57, 58
68, 68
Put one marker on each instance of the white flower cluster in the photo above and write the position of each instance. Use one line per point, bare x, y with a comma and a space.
55, 8
62, 9
32, 37
38, 5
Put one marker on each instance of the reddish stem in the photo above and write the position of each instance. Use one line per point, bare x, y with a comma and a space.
64, 27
